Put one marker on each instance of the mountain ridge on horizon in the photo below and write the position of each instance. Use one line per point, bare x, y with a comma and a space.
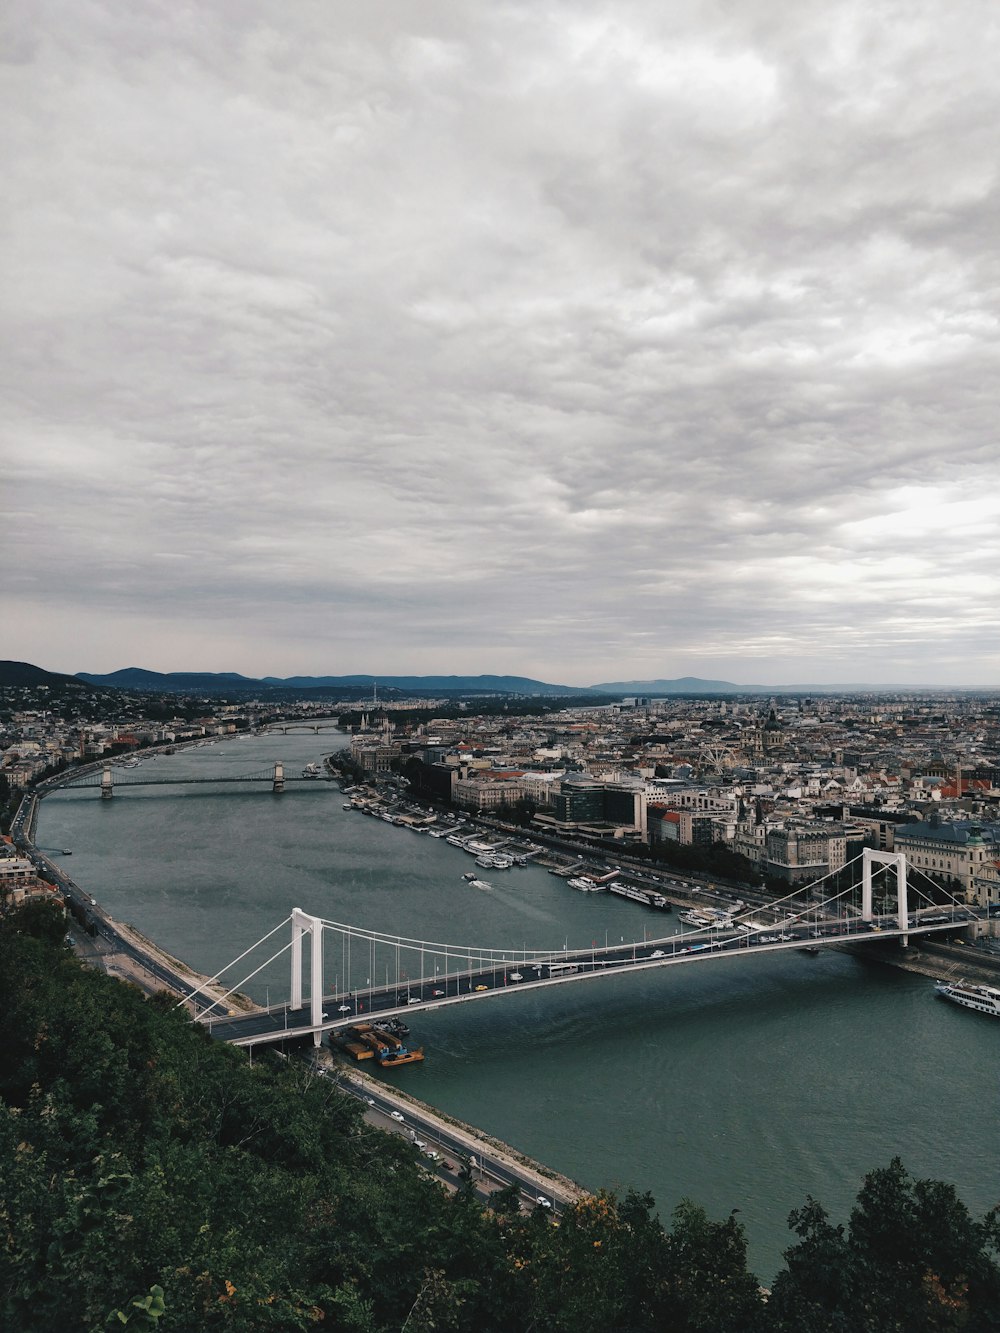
141, 677
13, 673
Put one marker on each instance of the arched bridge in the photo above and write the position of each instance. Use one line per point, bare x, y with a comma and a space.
314, 725
376, 975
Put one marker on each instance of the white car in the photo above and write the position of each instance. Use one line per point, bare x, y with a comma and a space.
395, 1115
515, 976
657, 953
542, 1202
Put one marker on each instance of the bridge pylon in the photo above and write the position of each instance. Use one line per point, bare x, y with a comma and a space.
278, 781
303, 924
898, 860
107, 784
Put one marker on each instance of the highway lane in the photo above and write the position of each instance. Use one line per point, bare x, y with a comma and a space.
457, 1152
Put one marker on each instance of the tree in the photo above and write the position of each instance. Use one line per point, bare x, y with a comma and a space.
912, 1259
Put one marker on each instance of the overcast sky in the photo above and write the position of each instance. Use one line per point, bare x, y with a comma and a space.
584, 341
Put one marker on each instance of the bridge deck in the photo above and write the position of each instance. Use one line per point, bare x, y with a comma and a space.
127, 780
280, 1022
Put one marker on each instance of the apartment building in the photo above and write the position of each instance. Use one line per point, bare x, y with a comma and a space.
958, 851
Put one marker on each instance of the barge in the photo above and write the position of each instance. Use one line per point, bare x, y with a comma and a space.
370, 1041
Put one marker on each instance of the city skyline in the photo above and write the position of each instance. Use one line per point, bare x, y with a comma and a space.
588, 344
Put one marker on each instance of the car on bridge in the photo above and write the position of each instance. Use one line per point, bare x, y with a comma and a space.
482, 987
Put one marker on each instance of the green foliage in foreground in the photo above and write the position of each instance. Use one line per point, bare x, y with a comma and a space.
152, 1179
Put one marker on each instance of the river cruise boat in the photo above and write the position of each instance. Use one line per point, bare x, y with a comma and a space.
984, 999
635, 895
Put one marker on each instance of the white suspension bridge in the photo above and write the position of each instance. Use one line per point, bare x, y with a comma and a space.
356, 973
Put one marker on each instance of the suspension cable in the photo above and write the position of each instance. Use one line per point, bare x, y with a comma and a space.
198, 990
233, 989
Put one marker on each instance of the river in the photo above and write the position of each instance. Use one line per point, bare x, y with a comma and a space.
738, 1084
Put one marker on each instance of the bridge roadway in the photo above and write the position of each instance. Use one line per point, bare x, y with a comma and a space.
126, 779
320, 725
281, 1022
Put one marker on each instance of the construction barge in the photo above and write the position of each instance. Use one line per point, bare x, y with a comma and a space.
380, 1042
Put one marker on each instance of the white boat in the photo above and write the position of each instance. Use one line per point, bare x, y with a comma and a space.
695, 919
647, 899
479, 884
984, 999
584, 885
311, 770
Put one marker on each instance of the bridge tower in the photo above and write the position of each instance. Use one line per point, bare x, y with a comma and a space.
278, 785
898, 860
302, 924
107, 784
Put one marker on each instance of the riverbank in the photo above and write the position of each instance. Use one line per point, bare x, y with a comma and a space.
483, 1149
938, 960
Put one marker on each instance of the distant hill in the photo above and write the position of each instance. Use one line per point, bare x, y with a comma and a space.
231, 683
138, 678
682, 685
23, 673
228, 682
425, 684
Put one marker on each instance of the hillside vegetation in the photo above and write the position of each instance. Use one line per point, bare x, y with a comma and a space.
152, 1178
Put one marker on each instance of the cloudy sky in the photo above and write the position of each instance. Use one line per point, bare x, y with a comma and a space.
586, 341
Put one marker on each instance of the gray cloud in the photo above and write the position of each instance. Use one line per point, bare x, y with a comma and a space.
587, 342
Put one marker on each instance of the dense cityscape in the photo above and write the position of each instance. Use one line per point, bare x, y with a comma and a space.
792, 788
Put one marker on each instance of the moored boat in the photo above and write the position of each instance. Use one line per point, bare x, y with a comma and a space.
692, 918
405, 1055
647, 897
984, 999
